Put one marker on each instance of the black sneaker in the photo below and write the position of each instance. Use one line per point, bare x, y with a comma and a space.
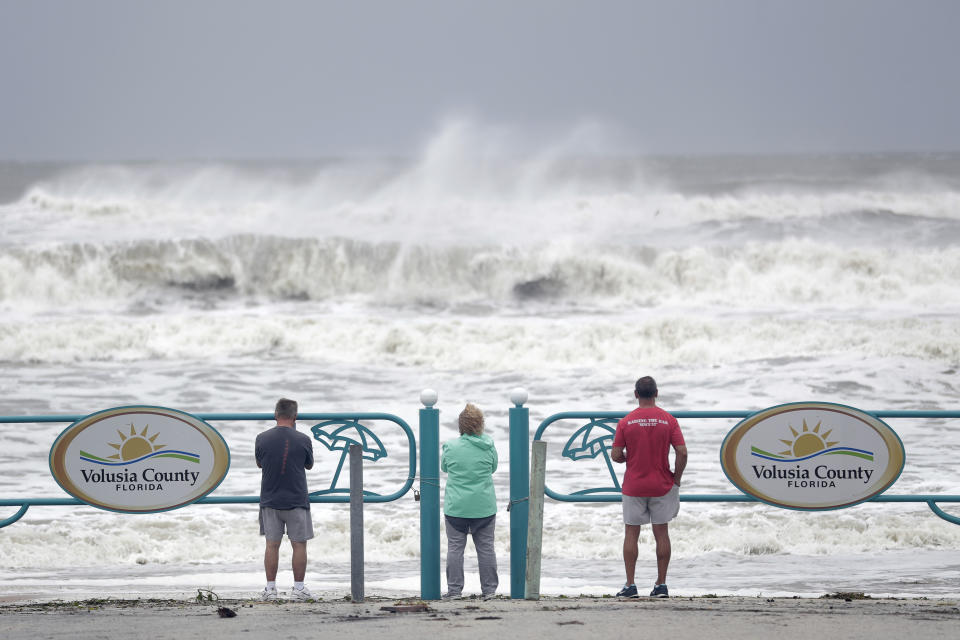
659, 591
629, 591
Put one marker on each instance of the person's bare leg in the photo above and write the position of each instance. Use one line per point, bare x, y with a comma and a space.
299, 560
631, 537
271, 559
662, 535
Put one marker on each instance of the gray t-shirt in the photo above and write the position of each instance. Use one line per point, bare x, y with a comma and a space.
284, 454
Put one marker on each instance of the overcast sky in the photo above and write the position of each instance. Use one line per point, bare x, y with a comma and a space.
128, 79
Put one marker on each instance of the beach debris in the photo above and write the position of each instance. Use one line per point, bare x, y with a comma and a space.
569, 622
848, 596
206, 595
407, 608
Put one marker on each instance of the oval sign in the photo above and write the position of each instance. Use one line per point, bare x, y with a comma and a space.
812, 456
139, 459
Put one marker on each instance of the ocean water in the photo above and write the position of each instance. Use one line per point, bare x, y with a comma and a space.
353, 284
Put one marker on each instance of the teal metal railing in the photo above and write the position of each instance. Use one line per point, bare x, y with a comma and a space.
336, 431
594, 438
429, 496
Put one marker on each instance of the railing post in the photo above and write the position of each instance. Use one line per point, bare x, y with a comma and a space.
356, 523
519, 490
538, 471
429, 497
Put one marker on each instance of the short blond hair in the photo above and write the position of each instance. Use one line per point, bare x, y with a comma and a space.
471, 420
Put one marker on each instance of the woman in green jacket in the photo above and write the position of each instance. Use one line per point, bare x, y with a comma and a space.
469, 502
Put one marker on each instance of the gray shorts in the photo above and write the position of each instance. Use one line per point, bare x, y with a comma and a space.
659, 510
297, 523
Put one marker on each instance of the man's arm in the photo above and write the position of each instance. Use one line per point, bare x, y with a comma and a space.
308, 463
618, 451
680, 463
618, 454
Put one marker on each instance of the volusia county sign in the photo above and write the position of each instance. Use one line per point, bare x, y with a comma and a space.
812, 456
139, 459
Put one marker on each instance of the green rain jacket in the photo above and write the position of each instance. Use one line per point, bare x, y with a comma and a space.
469, 462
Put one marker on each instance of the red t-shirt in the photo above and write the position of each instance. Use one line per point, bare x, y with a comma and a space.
647, 433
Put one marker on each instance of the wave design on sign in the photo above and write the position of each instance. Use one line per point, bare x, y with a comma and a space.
182, 455
834, 451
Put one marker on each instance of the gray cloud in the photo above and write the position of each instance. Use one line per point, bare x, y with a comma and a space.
126, 80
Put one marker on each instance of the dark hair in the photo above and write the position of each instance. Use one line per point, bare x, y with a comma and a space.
286, 409
646, 387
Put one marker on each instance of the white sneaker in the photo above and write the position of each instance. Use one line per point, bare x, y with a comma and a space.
300, 594
268, 594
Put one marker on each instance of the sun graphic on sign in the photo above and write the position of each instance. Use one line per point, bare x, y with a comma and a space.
807, 442
135, 445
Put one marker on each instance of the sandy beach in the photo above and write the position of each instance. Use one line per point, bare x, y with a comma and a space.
834, 616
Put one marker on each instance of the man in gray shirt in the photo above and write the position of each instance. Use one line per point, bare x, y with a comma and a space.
283, 455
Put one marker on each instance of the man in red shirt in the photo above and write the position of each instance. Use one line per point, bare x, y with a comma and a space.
651, 492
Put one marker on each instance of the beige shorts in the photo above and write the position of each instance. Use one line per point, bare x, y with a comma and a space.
297, 523
659, 510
